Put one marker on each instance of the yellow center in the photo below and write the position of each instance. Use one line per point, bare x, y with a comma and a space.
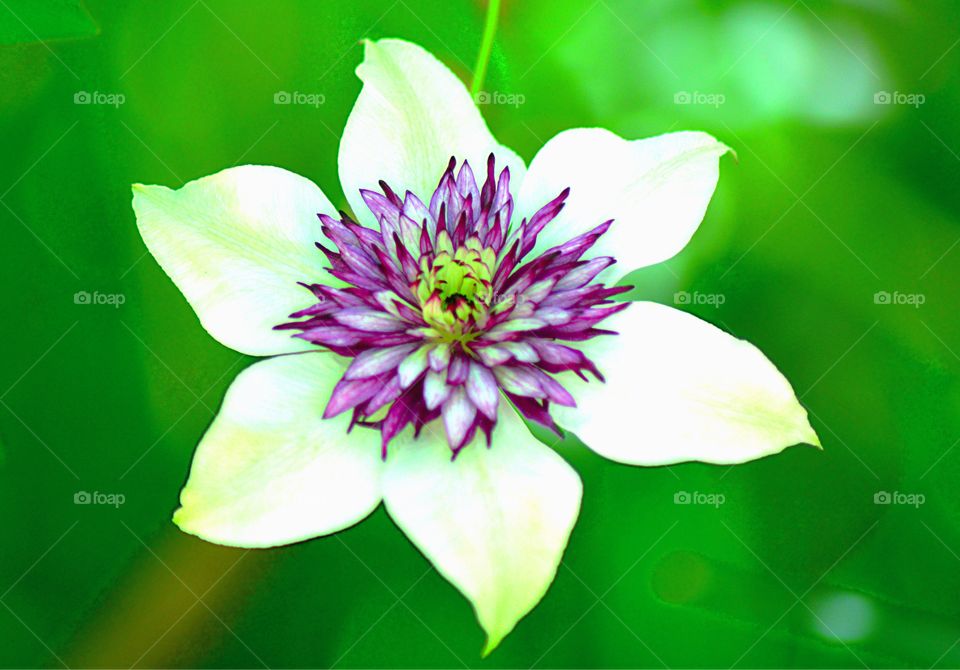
455, 289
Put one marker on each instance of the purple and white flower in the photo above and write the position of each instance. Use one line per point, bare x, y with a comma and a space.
466, 291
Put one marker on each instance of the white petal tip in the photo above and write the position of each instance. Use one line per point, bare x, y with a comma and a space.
143, 193
802, 436
148, 189
802, 432
192, 523
187, 523
717, 147
493, 641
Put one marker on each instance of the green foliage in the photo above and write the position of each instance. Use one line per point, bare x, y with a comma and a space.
30, 21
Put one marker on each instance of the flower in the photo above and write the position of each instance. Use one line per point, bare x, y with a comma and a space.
443, 311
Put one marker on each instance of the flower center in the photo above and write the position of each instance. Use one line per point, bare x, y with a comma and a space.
443, 313
455, 288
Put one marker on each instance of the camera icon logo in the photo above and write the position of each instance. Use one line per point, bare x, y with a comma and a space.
82, 98
682, 98
82, 498
882, 98
881, 298
881, 498
681, 298
681, 498
81, 298
281, 98
482, 98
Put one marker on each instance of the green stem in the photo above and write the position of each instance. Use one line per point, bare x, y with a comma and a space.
486, 46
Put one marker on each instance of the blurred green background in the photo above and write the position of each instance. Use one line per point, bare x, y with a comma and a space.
843, 115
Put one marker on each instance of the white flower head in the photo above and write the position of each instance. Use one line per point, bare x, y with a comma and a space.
449, 307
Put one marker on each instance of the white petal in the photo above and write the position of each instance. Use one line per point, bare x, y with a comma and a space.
493, 521
412, 115
270, 470
236, 243
656, 190
679, 389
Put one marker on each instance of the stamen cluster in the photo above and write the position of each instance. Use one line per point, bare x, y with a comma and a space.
441, 315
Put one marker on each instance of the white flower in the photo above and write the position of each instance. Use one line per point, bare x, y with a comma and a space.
271, 470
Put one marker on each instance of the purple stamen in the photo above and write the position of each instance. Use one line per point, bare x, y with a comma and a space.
443, 314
